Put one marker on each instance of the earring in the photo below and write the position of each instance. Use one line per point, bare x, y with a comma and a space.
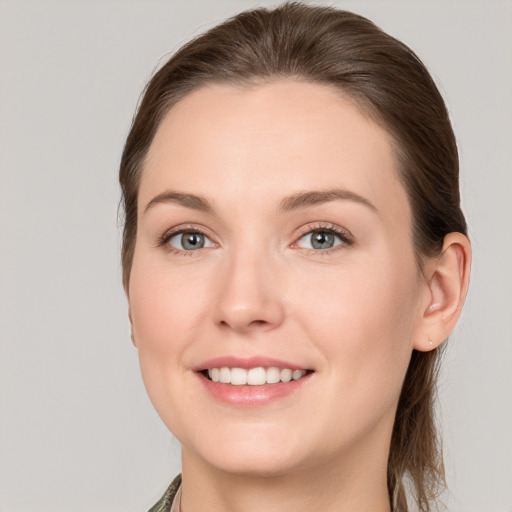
430, 342
433, 307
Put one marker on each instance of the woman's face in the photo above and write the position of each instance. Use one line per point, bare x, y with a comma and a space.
273, 233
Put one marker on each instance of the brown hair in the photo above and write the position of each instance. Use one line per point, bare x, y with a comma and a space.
389, 83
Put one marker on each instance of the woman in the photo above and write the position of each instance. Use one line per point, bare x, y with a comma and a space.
294, 257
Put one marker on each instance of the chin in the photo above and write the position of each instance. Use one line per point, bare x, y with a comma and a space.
257, 456
257, 466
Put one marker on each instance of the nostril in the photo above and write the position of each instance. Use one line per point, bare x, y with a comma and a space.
253, 324
257, 323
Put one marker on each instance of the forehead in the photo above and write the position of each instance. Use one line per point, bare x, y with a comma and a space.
271, 140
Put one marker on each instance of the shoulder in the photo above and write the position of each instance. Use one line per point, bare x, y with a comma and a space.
165, 502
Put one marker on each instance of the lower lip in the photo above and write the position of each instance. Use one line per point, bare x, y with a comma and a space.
251, 396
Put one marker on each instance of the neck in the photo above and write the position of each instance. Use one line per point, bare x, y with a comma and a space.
358, 484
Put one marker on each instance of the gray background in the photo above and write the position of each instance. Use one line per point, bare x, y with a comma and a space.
77, 432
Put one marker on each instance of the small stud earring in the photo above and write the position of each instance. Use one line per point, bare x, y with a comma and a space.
430, 342
433, 307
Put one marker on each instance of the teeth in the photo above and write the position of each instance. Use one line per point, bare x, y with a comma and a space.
297, 374
286, 375
239, 376
273, 375
225, 376
255, 376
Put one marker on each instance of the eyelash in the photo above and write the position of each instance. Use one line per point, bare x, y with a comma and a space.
344, 235
163, 241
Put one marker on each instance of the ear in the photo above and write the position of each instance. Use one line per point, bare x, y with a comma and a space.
131, 327
446, 285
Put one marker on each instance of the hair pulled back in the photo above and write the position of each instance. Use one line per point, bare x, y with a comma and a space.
391, 85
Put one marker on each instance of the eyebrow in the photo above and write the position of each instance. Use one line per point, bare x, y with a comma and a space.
313, 198
294, 202
187, 200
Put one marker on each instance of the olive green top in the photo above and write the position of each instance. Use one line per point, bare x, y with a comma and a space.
166, 501
170, 501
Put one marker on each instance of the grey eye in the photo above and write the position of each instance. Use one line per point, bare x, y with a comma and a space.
319, 240
189, 241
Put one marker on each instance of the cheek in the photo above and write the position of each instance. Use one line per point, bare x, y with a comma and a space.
164, 307
353, 299
362, 323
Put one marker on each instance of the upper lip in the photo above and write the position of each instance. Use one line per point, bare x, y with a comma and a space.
247, 363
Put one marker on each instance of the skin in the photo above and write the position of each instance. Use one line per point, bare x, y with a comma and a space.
353, 313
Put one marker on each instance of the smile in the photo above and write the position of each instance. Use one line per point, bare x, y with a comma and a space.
258, 376
252, 381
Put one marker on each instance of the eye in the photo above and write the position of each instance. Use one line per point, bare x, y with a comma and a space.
189, 241
321, 239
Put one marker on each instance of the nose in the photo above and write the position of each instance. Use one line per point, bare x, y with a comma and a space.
250, 297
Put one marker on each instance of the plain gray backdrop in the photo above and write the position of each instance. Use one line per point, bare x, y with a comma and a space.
77, 432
